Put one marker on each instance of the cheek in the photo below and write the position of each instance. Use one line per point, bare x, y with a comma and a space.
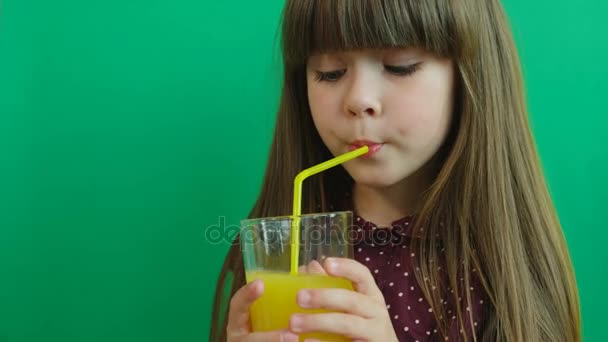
426, 120
324, 108
317, 108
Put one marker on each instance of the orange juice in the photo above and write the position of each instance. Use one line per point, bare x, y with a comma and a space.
278, 303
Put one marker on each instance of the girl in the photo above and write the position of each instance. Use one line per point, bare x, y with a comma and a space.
434, 88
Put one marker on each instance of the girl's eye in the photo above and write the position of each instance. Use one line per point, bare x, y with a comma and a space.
404, 70
329, 76
399, 70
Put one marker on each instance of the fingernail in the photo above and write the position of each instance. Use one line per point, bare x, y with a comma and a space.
257, 286
289, 337
295, 323
304, 298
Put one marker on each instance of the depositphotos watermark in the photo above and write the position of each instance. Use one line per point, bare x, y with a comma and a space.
278, 233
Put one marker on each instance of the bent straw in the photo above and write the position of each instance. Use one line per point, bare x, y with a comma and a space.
297, 198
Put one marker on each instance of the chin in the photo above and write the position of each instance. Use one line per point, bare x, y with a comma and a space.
373, 176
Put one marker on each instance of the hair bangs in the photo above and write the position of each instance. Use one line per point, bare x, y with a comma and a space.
318, 26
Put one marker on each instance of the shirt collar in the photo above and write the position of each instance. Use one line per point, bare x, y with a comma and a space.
403, 226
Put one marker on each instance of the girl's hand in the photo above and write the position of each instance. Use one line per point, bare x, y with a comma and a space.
362, 314
238, 328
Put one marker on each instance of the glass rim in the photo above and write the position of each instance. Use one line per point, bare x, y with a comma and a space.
290, 217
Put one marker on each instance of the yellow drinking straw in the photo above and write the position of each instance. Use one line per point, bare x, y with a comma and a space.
297, 198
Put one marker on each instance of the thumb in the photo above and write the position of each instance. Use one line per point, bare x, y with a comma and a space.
238, 314
315, 267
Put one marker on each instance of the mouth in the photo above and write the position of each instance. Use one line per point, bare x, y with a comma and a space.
374, 147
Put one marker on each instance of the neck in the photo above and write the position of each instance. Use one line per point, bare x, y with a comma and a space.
384, 205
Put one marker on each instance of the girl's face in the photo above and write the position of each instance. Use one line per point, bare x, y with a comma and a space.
397, 101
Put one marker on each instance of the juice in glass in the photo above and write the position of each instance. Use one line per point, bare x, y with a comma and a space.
278, 303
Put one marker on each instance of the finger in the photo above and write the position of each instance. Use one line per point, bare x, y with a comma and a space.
357, 273
238, 314
272, 336
340, 300
314, 267
350, 326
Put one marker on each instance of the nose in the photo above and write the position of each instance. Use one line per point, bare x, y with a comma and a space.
363, 96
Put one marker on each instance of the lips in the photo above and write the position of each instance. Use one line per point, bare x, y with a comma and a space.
374, 147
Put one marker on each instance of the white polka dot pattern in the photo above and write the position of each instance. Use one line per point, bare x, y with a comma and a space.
392, 265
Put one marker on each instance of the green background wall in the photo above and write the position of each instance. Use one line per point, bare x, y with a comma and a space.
119, 122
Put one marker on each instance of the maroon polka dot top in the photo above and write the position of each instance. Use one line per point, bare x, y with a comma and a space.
385, 251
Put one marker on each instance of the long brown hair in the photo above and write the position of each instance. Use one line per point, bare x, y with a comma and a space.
489, 199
